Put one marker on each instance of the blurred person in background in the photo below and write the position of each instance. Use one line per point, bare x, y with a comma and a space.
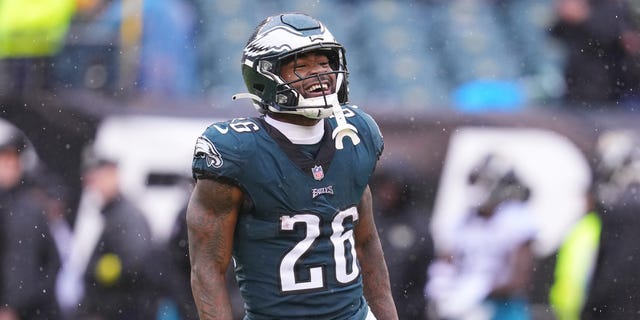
577, 254
404, 234
106, 273
602, 44
168, 59
613, 291
155, 40
177, 250
484, 274
575, 261
28, 259
31, 33
179, 269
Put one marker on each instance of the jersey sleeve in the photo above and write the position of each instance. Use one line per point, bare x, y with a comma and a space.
223, 149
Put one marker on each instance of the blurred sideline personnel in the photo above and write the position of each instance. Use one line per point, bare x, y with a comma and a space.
142, 49
574, 267
614, 290
596, 273
105, 275
485, 273
603, 46
177, 250
31, 33
28, 258
286, 194
403, 227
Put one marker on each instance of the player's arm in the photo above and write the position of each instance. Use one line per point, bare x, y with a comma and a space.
375, 275
211, 218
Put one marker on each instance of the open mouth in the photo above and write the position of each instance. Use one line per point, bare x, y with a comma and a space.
318, 89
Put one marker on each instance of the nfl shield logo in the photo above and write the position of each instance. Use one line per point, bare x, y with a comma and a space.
318, 174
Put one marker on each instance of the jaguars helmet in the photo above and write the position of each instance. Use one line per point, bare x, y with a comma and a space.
494, 181
275, 41
617, 171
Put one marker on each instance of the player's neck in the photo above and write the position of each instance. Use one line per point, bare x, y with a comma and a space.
293, 118
298, 134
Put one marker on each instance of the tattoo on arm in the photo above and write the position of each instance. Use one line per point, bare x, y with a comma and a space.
211, 218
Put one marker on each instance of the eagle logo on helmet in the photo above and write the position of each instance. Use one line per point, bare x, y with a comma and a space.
277, 40
205, 149
283, 37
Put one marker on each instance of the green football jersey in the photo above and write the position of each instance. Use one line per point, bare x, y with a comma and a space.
294, 248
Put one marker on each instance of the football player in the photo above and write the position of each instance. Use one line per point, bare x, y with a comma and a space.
485, 272
613, 291
285, 195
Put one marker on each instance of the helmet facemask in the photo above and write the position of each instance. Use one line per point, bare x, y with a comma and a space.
312, 94
494, 181
281, 39
618, 169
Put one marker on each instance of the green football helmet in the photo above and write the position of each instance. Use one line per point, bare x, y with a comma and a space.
279, 39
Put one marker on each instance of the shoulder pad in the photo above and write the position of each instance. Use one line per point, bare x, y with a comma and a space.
223, 148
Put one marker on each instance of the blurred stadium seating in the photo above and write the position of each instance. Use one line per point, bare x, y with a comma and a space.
411, 53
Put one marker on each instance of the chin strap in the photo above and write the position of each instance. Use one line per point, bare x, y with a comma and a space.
245, 95
343, 129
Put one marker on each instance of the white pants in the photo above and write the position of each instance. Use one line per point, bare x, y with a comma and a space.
370, 315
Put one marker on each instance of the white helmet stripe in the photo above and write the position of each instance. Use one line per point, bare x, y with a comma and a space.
279, 39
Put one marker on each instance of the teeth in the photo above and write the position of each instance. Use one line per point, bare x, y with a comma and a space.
317, 87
